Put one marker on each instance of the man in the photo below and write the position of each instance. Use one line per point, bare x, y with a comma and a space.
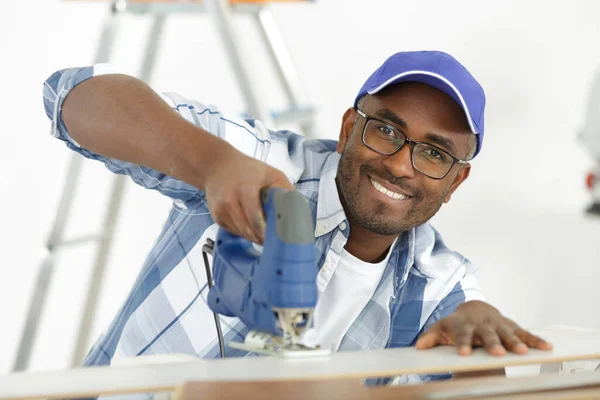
386, 278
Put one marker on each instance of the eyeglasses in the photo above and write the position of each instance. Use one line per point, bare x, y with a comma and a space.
386, 139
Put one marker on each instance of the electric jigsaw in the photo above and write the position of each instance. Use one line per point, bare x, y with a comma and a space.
272, 291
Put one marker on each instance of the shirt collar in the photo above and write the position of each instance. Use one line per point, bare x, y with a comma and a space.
330, 212
433, 259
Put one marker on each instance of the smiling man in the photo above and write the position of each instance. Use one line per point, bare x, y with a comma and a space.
390, 183
386, 278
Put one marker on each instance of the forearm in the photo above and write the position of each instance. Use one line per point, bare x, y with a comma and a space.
121, 117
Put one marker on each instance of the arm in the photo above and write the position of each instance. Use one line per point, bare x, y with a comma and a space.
120, 117
119, 120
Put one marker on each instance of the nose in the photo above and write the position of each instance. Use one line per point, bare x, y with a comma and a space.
400, 163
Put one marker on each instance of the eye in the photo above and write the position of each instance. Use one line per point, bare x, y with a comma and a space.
433, 153
387, 130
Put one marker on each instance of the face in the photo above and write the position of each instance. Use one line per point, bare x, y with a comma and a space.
423, 114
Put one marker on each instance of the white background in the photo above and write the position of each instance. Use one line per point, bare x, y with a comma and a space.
519, 217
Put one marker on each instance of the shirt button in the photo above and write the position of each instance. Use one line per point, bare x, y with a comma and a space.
343, 226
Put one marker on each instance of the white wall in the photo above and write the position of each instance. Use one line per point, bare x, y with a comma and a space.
519, 217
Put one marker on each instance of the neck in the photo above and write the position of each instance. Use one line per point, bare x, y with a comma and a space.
366, 245
362, 243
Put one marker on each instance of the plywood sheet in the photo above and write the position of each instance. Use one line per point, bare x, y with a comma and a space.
569, 344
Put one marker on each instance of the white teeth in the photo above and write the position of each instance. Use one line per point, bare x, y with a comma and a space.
393, 195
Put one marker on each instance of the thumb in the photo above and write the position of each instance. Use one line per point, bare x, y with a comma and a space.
431, 338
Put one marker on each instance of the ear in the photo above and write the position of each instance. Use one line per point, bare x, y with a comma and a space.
346, 129
462, 175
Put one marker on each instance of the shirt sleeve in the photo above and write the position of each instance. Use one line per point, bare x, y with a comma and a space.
248, 136
467, 289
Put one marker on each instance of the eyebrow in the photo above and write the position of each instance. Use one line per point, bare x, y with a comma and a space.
431, 137
441, 141
384, 113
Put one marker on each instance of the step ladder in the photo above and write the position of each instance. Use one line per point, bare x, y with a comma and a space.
223, 12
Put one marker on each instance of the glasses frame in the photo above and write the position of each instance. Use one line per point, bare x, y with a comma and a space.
412, 144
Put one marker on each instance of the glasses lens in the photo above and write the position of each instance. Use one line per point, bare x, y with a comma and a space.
431, 161
382, 137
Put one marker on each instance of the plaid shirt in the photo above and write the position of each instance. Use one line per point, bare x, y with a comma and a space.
166, 310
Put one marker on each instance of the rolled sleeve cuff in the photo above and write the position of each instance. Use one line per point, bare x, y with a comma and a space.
56, 89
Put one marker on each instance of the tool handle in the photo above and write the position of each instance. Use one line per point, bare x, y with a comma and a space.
250, 284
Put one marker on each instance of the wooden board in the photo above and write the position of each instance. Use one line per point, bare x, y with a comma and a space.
547, 386
569, 344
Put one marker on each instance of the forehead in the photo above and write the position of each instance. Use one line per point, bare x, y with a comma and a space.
423, 110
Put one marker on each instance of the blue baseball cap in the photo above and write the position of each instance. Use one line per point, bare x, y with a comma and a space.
437, 69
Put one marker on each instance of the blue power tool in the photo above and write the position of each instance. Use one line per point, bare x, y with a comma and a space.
273, 292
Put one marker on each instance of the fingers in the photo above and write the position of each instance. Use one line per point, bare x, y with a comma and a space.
236, 219
464, 339
251, 205
511, 341
476, 324
233, 194
248, 218
431, 338
490, 340
229, 213
533, 341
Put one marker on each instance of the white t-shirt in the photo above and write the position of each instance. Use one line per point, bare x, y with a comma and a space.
347, 293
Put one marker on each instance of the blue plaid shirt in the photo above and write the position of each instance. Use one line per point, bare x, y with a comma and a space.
166, 310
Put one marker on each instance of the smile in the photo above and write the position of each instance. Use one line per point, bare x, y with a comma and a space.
389, 193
